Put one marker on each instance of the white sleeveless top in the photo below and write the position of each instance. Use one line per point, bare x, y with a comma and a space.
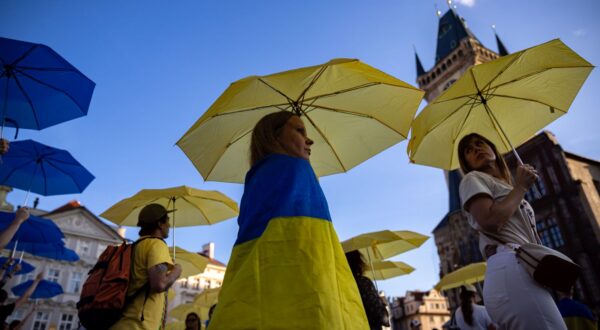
519, 229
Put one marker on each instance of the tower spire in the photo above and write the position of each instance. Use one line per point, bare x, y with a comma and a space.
501, 48
420, 70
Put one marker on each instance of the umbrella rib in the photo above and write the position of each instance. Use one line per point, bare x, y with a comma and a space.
51, 87
31, 68
199, 209
326, 141
351, 89
538, 72
348, 112
250, 109
448, 116
462, 125
65, 173
499, 73
312, 82
34, 112
276, 90
20, 58
530, 100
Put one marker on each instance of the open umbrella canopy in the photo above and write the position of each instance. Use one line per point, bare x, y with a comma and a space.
33, 230
56, 251
38, 88
469, 274
383, 270
208, 297
25, 266
44, 290
193, 206
351, 110
384, 244
32, 166
506, 100
191, 263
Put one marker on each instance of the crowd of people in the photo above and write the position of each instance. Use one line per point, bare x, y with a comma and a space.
287, 268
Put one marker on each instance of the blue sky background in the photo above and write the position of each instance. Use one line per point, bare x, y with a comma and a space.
158, 66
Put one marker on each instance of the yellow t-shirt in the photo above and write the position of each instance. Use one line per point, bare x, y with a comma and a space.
147, 254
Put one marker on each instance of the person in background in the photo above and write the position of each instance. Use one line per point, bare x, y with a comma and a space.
6, 277
375, 307
7, 309
210, 313
577, 316
470, 316
495, 206
153, 273
9, 232
19, 324
192, 321
4, 146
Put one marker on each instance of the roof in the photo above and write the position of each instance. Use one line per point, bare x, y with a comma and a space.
581, 158
451, 30
212, 261
420, 70
502, 51
74, 205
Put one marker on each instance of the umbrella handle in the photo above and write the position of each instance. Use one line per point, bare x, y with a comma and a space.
174, 229
495, 120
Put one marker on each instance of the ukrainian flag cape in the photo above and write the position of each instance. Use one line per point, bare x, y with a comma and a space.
287, 269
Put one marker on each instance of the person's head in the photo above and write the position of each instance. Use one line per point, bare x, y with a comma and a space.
192, 321
281, 132
476, 153
415, 324
3, 296
356, 263
14, 324
467, 298
154, 220
211, 310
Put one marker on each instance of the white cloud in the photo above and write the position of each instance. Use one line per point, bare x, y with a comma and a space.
580, 32
467, 3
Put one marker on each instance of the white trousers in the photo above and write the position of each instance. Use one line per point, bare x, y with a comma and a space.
514, 300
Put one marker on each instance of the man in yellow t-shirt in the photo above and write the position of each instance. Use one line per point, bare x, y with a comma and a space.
152, 275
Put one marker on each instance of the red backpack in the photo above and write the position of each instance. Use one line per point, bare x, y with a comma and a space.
104, 293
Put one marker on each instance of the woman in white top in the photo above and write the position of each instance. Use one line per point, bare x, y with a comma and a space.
496, 206
470, 316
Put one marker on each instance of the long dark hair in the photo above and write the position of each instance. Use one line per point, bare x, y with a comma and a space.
356, 263
466, 305
500, 163
265, 133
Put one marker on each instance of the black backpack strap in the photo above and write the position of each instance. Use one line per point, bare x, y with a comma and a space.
146, 286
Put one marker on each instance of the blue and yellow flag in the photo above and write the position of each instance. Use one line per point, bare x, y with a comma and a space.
287, 269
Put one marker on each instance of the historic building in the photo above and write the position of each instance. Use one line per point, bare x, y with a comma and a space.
429, 309
186, 289
565, 197
88, 236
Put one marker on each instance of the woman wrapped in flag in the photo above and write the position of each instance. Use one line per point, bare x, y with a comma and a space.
287, 269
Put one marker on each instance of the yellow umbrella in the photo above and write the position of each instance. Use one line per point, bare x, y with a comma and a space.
351, 110
383, 270
177, 325
191, 263
384, 244
181, 311
507, 100
208, 297
193, 207
469, 274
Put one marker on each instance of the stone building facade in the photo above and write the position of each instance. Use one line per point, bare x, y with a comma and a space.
186, 289
88, 236
429, 309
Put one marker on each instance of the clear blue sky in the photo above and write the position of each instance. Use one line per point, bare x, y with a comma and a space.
158, 66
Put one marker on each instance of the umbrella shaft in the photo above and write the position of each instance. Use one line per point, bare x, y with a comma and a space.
502, 131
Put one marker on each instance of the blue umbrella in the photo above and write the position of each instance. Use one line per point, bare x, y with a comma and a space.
25, 267
32, 166
38, 88
34, 229
44, 289
56, 251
